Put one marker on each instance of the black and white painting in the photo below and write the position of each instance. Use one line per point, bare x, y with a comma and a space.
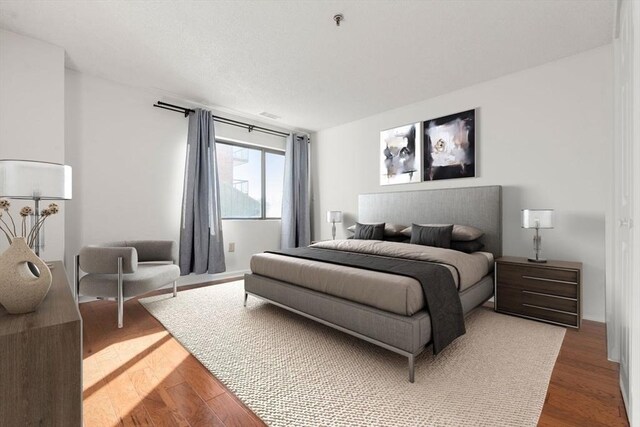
400, 155
450, 147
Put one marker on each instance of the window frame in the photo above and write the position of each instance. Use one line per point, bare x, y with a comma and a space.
263, 182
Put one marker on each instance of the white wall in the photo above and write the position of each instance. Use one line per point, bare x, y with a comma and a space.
623, 285
128, 160
544, 134
32, 115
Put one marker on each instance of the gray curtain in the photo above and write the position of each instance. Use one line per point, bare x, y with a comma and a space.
201, 245
296, 217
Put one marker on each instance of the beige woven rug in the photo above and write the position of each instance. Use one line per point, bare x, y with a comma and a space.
292, 371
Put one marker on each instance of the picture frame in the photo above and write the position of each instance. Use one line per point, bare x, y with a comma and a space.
401, 154
450, 146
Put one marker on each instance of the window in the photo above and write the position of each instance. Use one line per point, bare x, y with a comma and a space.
251, 181
274, 181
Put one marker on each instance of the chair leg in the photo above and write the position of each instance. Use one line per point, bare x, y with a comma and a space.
175, 288
246, 295
120, 295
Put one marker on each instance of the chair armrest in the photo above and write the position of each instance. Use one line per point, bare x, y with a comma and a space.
155, 250
104, 260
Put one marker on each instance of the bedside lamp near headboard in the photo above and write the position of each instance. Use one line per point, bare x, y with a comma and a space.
333, 217
537, 219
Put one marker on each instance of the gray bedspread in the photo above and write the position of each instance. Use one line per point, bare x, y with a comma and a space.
441, 296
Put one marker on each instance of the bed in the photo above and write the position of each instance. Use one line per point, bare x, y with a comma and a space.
389, 309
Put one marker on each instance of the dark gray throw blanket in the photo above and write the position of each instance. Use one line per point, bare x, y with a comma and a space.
440, 293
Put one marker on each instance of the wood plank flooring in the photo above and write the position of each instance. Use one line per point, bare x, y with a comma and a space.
141, 376
584, 388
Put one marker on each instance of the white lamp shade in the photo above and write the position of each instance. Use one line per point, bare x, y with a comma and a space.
25, 179
537, 218
334, 216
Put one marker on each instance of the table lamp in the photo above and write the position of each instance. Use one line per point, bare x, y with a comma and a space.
31, 180
333, 217
537, 219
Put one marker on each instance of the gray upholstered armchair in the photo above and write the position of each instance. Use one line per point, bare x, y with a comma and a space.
126, 269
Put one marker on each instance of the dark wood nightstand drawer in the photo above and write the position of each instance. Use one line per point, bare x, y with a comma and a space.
515, 298
541, 273
547, 281
542, 313
549, 292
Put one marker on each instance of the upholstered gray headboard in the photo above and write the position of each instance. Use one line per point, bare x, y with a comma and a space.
480, 207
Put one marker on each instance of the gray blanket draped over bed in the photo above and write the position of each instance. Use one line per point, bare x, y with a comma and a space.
441, 295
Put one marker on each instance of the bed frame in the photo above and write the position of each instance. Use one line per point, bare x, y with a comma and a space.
406, 335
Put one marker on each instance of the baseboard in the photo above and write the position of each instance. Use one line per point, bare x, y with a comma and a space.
194, 279
625, 399
594, 319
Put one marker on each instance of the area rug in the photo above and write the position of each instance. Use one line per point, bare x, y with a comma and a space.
292, 371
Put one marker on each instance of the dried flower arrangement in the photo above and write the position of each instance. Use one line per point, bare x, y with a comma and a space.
10, 231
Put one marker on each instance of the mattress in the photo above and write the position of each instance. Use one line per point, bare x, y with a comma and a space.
389, 292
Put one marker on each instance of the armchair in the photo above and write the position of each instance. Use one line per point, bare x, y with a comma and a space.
126, 269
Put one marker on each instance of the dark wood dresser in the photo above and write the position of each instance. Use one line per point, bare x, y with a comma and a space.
550, 292
41, 361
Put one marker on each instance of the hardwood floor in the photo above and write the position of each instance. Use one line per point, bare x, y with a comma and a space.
584, 388
141, 376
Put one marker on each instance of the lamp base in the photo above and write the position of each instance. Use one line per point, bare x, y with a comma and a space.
540, 261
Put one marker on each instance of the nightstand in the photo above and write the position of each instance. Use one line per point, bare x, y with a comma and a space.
549, 292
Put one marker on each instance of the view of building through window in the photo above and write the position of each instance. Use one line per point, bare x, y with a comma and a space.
251, 181
274, 180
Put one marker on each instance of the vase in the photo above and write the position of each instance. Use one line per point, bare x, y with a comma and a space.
24, 278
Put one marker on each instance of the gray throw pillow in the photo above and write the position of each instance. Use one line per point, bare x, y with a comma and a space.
461, 233
437, 236
468, 247
369, 231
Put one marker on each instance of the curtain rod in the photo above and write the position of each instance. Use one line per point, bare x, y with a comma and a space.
219, 119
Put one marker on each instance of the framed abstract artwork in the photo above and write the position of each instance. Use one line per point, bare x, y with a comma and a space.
450, 146
400, 155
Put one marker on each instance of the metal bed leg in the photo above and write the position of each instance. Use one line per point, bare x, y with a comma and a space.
175, 288
411, 368
120, 295
246, 295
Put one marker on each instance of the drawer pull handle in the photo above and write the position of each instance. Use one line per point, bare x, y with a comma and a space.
549, 280
549, 309
549, 295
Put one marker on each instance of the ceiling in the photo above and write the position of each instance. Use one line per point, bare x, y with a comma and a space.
288, 57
